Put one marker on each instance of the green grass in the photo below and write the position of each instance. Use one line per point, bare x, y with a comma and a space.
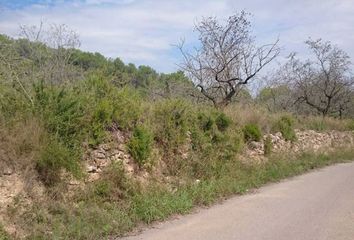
100, 216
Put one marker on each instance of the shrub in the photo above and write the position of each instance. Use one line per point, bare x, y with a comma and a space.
140, 144
61, 112
222, 122
268, 146
102, 189
232, 143
103, 112
251, 132
120, 185
102, 117
205, 121
54, 157
286, 126
172, 119
127, 108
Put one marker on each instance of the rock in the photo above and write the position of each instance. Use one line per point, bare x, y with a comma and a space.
114, 152
119, 136
105, 147
98, 154
278, 135
93, 177
129, 169
74, 183
91, 169
8, 171
256, 145
121, 147
100, 163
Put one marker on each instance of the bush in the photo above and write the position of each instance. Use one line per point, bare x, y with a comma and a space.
222, 122
122, 107
102, 189
53, 158
286, 126
172, 119
140, 144
268, 146
120, 185
127, 108
205, 121
61, 112
252, 132
102, 117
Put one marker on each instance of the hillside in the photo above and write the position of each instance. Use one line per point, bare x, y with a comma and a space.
92, 147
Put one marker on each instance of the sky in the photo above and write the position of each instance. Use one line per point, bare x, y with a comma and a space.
145, 32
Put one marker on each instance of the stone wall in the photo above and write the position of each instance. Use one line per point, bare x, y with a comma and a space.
98, 158
308, 140
13, 184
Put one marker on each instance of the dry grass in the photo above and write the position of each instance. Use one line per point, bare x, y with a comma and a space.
319, 123
252, 114
19, 143
245, 114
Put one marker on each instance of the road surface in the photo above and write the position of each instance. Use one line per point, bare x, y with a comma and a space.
315, 206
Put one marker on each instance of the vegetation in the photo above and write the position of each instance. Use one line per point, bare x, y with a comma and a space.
140, 145
113, 206
286, 126
251, 132
212, 66
268, 146
56, 102
3, 234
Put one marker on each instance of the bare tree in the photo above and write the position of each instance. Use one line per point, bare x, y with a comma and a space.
53, 59
226, 59
13, 69
324, 82
42, 53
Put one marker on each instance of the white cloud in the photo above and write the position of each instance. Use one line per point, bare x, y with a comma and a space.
143, 31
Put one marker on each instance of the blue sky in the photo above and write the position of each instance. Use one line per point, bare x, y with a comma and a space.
144, 31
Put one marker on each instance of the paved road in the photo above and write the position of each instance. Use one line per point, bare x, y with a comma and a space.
314, 206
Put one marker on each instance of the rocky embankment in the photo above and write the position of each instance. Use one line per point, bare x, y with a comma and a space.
14, 186
308, 140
